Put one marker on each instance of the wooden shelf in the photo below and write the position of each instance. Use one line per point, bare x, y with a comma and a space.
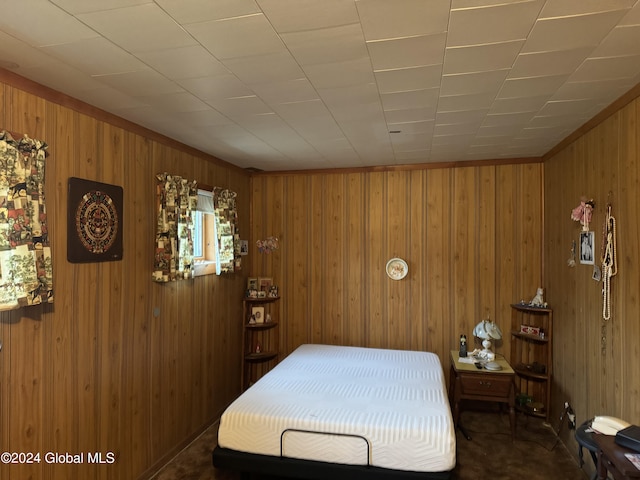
528, 350
265, 335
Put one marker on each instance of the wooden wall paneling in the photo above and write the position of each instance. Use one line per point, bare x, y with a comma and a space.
58, 384
317, 260
136, 444
296, 292
334, 260
376, 249
505, 246
465, 252
111, 313
486, 236
87, 341
438, 296
398, 232
627, 283
355, 317
418, 331
25, 392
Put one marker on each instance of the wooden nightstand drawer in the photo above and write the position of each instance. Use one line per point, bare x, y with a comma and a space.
486, 385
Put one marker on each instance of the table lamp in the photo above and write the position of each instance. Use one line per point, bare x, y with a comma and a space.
487, 330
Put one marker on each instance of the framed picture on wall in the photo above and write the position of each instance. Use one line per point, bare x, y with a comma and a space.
94, 221
587, 248
264, 283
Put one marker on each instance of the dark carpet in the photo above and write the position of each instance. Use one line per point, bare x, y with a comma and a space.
536, 454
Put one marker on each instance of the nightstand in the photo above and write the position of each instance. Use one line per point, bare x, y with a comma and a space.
467, 382
611, 459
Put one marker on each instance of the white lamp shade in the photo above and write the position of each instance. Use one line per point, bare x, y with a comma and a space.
487, 330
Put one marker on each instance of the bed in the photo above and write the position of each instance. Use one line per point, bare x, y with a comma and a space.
342, 413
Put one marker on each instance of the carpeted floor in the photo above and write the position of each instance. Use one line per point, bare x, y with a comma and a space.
536, 454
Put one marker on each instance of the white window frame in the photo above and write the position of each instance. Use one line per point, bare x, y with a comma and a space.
205, 236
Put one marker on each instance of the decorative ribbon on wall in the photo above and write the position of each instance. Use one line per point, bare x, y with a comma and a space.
176, 198
26, 271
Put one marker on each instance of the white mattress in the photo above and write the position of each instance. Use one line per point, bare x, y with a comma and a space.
394, 399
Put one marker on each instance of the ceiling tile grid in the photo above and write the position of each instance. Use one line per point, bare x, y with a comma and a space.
281, 85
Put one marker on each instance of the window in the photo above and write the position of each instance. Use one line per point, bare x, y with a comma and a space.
205, 244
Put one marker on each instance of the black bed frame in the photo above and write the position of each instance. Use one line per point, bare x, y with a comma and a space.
268, 465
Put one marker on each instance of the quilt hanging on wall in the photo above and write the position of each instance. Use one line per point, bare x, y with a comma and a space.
224, 202
26, 272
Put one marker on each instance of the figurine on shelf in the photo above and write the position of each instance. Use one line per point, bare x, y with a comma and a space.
258, 348
538, 300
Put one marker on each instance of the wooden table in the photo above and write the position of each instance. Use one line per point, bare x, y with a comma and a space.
467, 382
611, 459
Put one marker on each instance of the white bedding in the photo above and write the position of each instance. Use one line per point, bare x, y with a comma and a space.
395, 399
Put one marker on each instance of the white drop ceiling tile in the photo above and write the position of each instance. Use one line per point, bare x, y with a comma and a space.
195, 11
531, 86
95, 56
202, 118
478, 82
407, 52
402, 18
497, 23
327, 45
175, 102
467, 128
410, 115
139, 83
603, 89
452, 143
464, 103
571, 32
51, 25
240, 107
84, 6
507, 119
218, 86
311, 112
22, 54
633, 16
559, 62
370, 114
409, 157
607, 68
557, 121
415, 78
237, 37
425, 126
621, 41
271, 67
123, 27
519, 104
493, 131
578, 107
462, 4
350, 96
481, 58
288, 91
468, 116
109, 99
185, 62
340, 74
308, 14
565, 8
414, 99
63, 78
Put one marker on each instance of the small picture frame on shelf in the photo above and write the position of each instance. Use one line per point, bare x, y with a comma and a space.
262, 294
265, 283
258, 313
273, 291
252, 283
252, 293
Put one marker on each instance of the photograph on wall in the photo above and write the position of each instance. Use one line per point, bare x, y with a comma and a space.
587, 248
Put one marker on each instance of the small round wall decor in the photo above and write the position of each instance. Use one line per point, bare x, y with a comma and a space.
94, 221
397, 269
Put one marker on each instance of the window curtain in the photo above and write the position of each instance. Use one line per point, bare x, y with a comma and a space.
176, 199
224, 203
26, 272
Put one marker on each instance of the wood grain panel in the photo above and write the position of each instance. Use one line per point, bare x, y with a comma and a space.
449, 224
99, 370
596, 362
